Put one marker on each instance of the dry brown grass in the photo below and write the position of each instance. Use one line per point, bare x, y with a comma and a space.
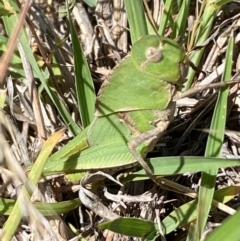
28, 117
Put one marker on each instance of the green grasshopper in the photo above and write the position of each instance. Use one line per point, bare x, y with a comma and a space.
133, 108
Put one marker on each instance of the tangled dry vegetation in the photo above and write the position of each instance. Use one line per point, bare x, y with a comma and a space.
28, 116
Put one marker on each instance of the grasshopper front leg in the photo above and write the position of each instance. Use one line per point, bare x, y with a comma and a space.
146, 138
150, 138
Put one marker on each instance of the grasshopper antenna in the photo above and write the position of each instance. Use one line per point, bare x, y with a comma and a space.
195, 68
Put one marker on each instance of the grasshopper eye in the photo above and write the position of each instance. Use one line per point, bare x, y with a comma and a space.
183, 72
153, 54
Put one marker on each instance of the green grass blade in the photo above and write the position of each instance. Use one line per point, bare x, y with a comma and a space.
228, 230
164, 166
180, 24
203, 29
166, 17
90, 3
107, 156
9, 23
84, 84
188, 211
213, 148
130, 226
47, 209
136, 19
14, 219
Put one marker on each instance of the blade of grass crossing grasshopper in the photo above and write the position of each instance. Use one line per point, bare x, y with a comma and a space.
14, 219
136, 19
213, 147
83, 79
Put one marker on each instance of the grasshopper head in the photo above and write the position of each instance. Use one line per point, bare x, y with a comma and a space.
160, 57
